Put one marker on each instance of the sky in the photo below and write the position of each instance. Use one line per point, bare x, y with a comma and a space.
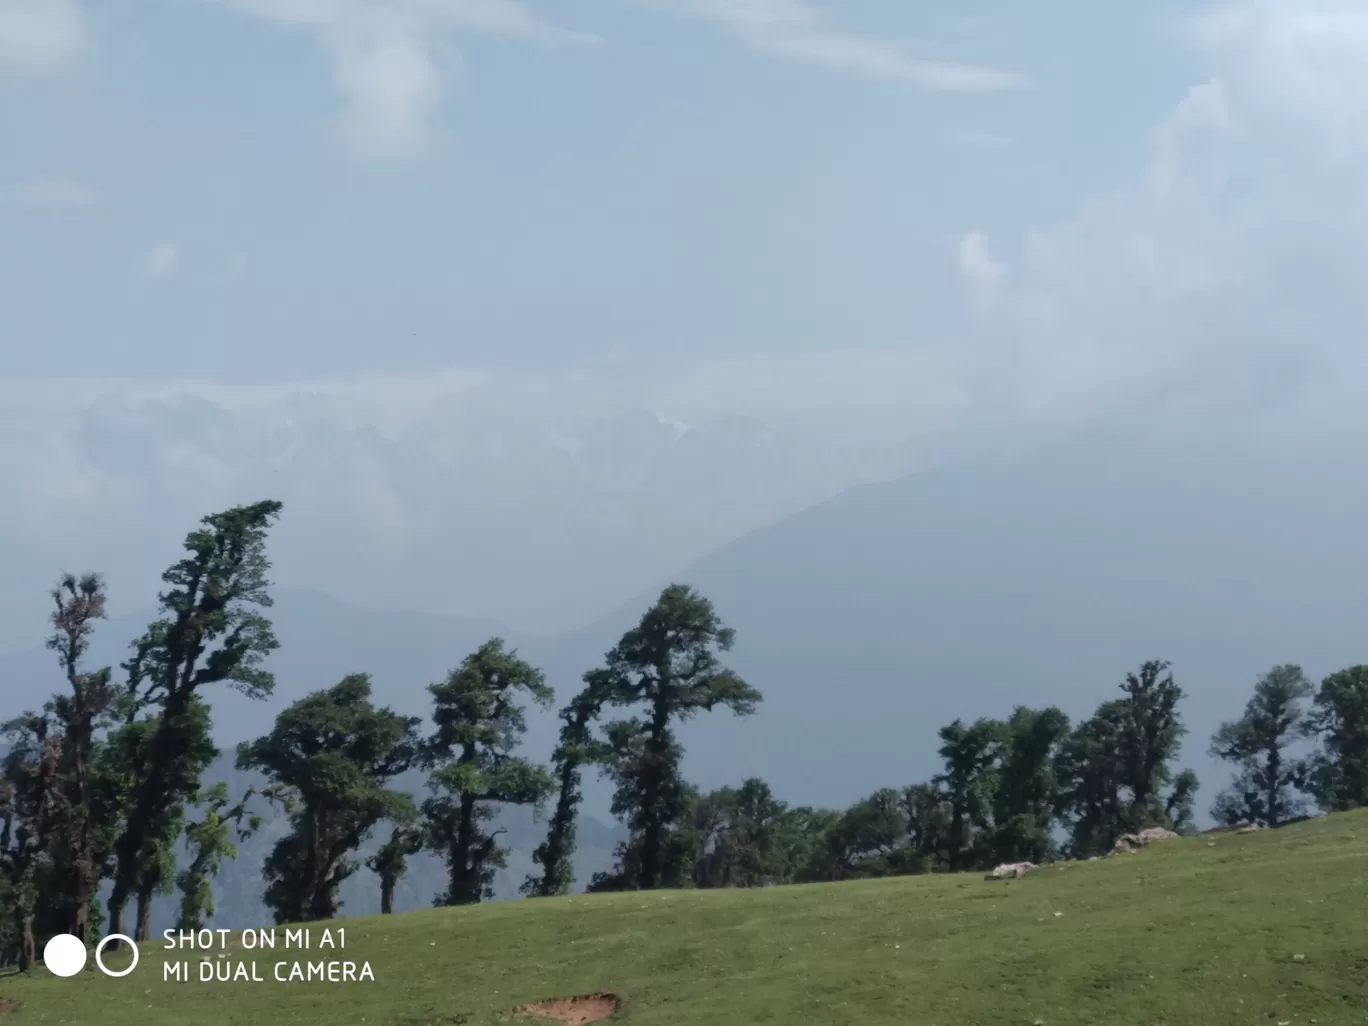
607, 284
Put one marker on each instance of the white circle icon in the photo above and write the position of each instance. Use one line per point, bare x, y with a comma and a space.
99, 949
64, 955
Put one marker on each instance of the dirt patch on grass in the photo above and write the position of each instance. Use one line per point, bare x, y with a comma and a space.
572, 1011
8, 1005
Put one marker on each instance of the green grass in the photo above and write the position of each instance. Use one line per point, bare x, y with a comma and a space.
1185, 934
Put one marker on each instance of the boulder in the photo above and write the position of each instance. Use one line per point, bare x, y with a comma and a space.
1141, 839
1010, 871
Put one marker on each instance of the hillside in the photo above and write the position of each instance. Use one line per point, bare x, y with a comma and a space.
1227, 930
871, 620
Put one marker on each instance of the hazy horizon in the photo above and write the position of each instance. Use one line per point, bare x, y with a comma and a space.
524, 309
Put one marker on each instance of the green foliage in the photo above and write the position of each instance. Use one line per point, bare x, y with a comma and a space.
330, 756
1265, 790
666, 667
968, 783
1152, 730
1340, 718
1092, 782
210, 842
746, 838
85, 825
1115, 767
576, 748
391, 862
210, 631
866, 840
28, 814
479, 724
1025, 799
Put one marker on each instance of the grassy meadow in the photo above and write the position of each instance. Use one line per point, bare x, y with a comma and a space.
1267, 928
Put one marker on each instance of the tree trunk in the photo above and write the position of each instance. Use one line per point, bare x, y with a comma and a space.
463, 871
81, 913
28, 947
386, 895
1274, 771
144, 929
118, 898
653, 830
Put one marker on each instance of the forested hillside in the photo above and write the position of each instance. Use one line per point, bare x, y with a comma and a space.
237, 887
115, 798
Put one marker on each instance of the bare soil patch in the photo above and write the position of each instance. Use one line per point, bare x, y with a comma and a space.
8, 1005
572, 1011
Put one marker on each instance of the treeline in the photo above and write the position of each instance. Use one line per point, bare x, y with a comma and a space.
102, 788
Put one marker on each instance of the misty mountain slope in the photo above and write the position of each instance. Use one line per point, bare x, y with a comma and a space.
871, 620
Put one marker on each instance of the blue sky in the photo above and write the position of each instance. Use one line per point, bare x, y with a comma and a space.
266, 190
607, 285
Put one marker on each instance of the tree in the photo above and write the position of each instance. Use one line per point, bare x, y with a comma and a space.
668, 667
329, 756
576, 748
121, 772
210, 841
1181, 798
210, 632
1265, 790
28, 814
866, 840
85, 825
1114, 768
1151, 732
390, 862
1340, 718
928, 818
479, 724
1027, 792
744, 838
968, 783
1091, 774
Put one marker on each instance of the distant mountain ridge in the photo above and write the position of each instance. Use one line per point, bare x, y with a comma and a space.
874, 618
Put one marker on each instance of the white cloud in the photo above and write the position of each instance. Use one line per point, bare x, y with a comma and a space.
1221, 285
979, 267
794, 29
979, 139
394, 61
162, 261
39, 36
390, 81
53, 194
580, 489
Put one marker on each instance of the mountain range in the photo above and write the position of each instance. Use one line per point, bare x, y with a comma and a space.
870, 620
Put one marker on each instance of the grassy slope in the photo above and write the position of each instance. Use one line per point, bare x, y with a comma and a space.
1185, 934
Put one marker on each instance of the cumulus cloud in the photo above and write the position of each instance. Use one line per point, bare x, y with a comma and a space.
162, 261
1220, 284
39, 36
394, 61
53, 194
790, 28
